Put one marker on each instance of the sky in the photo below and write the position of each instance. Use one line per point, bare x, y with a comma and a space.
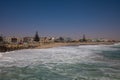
66, 18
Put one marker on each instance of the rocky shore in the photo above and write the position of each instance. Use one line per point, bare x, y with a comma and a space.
12, 47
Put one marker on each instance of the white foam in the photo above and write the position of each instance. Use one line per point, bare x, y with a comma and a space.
98, 47
52, 55
44, 56
117, 44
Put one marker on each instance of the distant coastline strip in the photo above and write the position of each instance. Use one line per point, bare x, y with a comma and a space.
12, 47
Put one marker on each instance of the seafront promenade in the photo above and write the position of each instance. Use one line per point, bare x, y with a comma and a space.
11, 47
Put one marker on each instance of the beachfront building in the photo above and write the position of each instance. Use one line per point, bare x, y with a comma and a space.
7, 39
44, 40
51, 39
100, 40
63, 39
60, 39
12, 39
16, 40
28, 39
47, 39
68, 39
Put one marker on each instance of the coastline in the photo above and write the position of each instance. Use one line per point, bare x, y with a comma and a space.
50, 45
7, 48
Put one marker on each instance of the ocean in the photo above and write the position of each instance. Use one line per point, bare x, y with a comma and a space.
84, 62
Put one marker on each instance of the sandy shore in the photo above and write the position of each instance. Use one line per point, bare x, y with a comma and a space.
50, 45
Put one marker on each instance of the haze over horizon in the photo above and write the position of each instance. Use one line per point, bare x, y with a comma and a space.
69, 18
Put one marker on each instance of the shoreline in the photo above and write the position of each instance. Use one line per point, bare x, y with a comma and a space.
51, 45
8, 48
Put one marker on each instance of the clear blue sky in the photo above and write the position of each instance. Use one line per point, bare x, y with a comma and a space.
72, 18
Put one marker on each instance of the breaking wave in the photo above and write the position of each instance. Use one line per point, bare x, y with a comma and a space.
44, 56
84, 62
68, 54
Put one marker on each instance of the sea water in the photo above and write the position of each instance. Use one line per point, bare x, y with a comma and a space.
84, 62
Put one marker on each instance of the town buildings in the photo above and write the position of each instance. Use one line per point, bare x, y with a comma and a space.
37, 39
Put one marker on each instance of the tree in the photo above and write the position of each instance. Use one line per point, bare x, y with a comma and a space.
61, 39
84, 38
1, 39
36, 38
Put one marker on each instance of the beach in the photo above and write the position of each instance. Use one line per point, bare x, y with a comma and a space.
12, 47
